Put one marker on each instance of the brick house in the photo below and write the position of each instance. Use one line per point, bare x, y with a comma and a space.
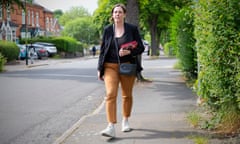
38, 20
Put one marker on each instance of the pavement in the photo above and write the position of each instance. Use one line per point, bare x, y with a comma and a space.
158, 117
20, 65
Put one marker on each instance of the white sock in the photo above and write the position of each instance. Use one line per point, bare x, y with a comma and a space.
110, 124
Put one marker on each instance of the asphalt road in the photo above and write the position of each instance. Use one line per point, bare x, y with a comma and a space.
37, 105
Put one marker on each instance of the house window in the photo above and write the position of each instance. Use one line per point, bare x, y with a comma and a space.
1, 12
14, 37
51, 23
47, 24
37, 19
32, 18
8, 13
9, 34
29, 17
23, 17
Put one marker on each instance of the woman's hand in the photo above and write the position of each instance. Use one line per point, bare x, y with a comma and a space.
99, 76
124, 52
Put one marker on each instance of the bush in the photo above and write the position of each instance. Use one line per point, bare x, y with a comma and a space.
67, 44
217, 33
9, 50
168, 49
2, 62
182, 39
63, 44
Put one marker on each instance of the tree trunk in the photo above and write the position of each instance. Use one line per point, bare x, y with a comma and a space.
133, 18
154, 37
132, 12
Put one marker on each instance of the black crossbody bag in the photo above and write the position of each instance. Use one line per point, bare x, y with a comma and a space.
125, 68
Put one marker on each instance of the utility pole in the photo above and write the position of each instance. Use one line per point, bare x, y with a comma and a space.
26, 31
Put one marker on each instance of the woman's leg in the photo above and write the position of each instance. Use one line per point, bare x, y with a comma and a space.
127, 83
111, 79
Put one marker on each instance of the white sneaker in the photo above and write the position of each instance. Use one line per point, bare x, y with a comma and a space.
109, 131
125, 126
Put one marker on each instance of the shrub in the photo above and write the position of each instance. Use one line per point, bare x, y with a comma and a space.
183, 41
2, 62
9, 50
168, 49
217, 33
63, 44
67, 44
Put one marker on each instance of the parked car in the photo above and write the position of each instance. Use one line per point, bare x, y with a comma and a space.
51, 48
34, 51
40, 51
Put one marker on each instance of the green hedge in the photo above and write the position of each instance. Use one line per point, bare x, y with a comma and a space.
168, 49
9, 50
217, 31
183, 41
67, 44
63, 44
2, 62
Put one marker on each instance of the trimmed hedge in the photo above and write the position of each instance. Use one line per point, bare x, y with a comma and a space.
183, 41
2, 62
63, 44
67, 44
217, 31
9, 50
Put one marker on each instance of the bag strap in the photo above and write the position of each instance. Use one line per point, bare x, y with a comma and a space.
116, 45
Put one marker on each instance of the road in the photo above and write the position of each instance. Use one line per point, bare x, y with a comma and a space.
37, 105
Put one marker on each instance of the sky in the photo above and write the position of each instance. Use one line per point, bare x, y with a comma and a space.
65, 5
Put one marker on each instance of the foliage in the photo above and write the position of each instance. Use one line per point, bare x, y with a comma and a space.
81, 29
72, 14
57, 13
194, 118
230, 121
9, 3
102, 14
63, 44
155, 15
5, 4
2, 62
217, 32
67, 44
168, 49
9, 50
182, 38
200, 139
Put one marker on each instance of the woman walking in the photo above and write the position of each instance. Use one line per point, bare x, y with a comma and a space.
111, 55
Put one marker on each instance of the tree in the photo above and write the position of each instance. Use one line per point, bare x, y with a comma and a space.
132, 12
58, 13
103, 13
217, 35
9, 3
133, 18
156, 16
5, 4
81, 29
72, 14
183, 41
